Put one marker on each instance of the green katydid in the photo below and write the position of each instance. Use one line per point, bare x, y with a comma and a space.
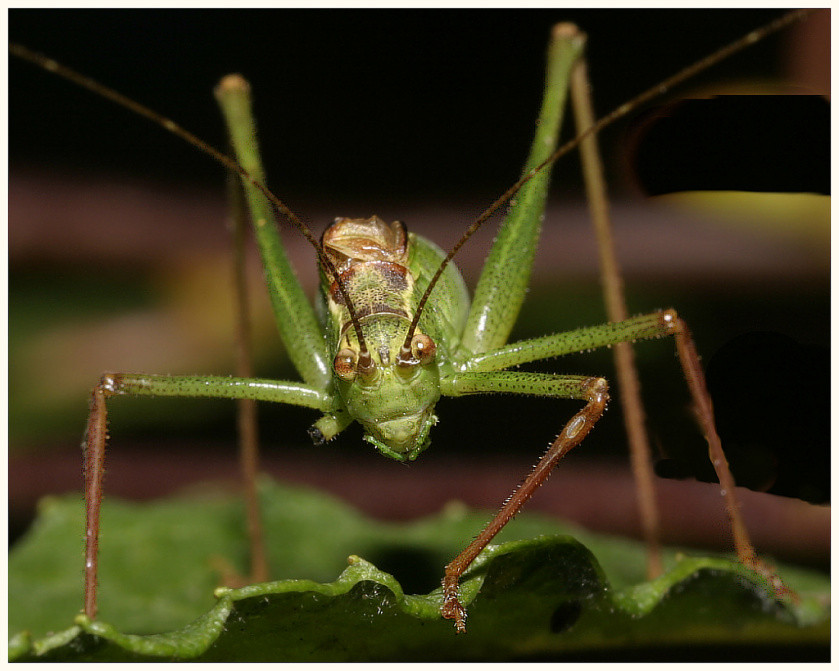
469, 357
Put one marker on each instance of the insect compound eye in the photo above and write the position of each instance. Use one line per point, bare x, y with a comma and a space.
423, 348
345, 364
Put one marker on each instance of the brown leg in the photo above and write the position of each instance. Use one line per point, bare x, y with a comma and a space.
689, 359
572, 435
626, 374
246, 410
94, 471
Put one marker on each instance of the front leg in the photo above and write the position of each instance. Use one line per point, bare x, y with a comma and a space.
114, 384
653, 325
593, 389
490, 377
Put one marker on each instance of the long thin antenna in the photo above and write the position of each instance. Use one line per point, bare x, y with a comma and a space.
50, 65
618, 113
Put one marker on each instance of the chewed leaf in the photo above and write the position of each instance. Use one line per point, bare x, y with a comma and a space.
543, 595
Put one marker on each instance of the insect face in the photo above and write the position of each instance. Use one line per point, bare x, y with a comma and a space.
397, 412
392, 395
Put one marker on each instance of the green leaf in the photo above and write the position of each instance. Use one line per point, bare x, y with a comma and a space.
539, 594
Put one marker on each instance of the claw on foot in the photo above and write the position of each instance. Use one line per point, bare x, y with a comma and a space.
452, 608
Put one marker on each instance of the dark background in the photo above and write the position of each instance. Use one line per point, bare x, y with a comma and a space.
420, 115
404, 105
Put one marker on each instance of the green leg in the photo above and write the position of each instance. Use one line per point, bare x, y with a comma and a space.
515, 382
294, 315
196, 386
506, 274
653, 325
295, 319
112, 384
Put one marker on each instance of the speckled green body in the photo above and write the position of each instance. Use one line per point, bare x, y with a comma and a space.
385, 271
396, 331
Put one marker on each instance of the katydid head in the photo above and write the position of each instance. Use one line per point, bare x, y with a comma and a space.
392, 396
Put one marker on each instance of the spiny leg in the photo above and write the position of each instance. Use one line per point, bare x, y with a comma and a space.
505, 276
482, 378
614, 298
689, 360
96, 437
295, 317
654, 325
692, 369
96, 434
595, 390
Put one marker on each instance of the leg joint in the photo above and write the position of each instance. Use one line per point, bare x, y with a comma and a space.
109, 384
671, 321
596, 389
